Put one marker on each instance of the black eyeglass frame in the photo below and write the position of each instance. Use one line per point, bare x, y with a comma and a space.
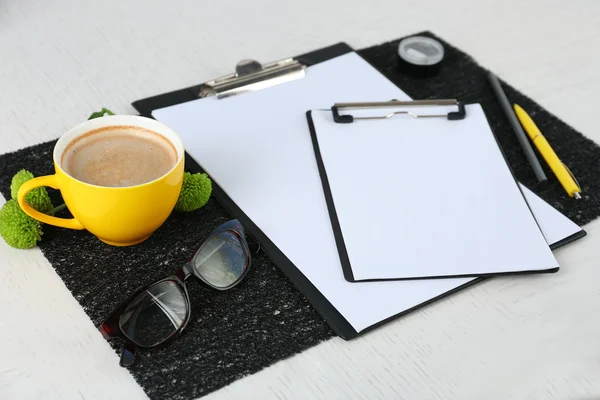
111, 329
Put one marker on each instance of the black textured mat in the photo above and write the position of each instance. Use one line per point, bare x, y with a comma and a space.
265, 319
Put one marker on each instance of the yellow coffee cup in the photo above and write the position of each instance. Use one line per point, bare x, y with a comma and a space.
119, 216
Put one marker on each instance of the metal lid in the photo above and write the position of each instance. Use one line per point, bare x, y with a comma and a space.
421, 50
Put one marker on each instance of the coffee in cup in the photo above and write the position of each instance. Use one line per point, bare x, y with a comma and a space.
119, 156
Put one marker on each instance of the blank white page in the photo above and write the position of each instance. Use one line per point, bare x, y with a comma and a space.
555, 226
257, 147
419, 198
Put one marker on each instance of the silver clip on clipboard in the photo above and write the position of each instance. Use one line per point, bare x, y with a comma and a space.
250, 75
347, 118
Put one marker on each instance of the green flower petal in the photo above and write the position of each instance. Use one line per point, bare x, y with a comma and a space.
17, 228
195, 192
37, 198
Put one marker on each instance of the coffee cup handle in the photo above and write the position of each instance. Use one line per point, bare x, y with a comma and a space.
50, 181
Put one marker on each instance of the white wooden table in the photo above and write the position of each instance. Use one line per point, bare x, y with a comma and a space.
508, 338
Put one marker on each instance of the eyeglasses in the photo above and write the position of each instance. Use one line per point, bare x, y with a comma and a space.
156, 313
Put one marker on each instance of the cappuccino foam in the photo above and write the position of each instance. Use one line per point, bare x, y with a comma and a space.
119, 156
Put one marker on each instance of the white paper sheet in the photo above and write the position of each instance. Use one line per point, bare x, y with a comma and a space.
446, 201
554, 225
256, 146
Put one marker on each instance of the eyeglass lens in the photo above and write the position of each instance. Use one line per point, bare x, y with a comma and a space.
222, 261
155, 314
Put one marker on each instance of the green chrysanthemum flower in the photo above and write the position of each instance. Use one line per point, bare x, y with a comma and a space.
195, 192
37, 198
17, 228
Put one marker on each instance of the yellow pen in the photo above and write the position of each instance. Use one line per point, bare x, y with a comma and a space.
561, 171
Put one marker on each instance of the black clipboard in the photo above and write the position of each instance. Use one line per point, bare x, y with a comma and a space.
344, 118
331, 315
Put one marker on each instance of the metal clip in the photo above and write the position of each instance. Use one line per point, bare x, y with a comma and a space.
250, 75
576, 194
452, 116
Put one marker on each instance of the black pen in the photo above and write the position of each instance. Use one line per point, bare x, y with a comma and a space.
514, 122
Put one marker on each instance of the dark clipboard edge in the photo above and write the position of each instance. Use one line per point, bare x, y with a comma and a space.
328, 312
335, 222
339, 238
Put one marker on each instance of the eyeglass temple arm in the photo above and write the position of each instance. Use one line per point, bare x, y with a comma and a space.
127, 356
104, 331
253, 245
128, 352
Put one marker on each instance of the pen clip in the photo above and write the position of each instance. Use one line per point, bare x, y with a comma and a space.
572, 176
